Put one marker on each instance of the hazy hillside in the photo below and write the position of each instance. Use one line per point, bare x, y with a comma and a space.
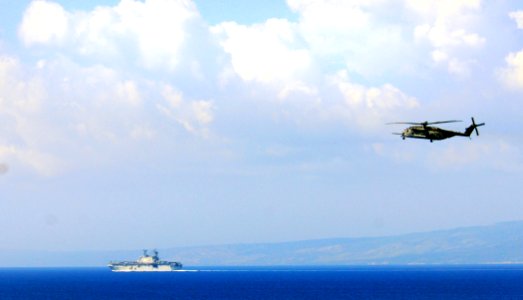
500, 243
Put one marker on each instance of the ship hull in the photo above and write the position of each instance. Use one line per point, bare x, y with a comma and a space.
143, 268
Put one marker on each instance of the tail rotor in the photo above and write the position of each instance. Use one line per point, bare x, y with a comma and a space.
475, 126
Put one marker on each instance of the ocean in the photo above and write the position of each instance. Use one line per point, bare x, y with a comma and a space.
366, 282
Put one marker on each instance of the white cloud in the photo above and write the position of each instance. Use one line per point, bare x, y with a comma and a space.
297, 87
128, 91
94, 110
265, 52
285, 54
17, 95
371, 107
439, 56
193, 116
354, 34
21, 104
372, 38
446, 27
115, 108
154, 29
97, 86
158, 26
441, 36
202, 111
443, 8
172, 96
337, 15
518, 17
512, 74
44, 22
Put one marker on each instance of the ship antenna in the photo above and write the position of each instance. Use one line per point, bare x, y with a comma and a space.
144, 252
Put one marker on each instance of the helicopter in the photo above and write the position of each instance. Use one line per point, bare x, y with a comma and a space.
424, 131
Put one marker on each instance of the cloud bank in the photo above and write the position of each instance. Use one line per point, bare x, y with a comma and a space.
154, 71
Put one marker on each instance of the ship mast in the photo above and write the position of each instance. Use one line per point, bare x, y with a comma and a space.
155, 254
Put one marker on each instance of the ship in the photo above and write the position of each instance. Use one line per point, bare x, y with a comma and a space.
146, 263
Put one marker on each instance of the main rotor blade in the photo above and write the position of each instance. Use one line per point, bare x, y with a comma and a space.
409, 123
424, 123
442, 122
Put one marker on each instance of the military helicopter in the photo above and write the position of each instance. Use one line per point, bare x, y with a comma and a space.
424, 131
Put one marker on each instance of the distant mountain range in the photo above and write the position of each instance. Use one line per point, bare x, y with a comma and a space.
496, 244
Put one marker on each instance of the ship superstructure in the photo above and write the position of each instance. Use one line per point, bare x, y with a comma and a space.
146, 263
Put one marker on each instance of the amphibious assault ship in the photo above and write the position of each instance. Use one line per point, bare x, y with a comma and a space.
145, 263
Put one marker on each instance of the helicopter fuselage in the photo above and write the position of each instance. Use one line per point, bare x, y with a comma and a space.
429, 133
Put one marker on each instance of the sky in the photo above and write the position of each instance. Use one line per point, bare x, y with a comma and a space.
167, 123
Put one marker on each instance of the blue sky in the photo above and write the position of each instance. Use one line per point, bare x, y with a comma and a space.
158, 123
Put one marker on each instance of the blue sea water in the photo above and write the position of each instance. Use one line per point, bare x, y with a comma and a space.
434, 282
